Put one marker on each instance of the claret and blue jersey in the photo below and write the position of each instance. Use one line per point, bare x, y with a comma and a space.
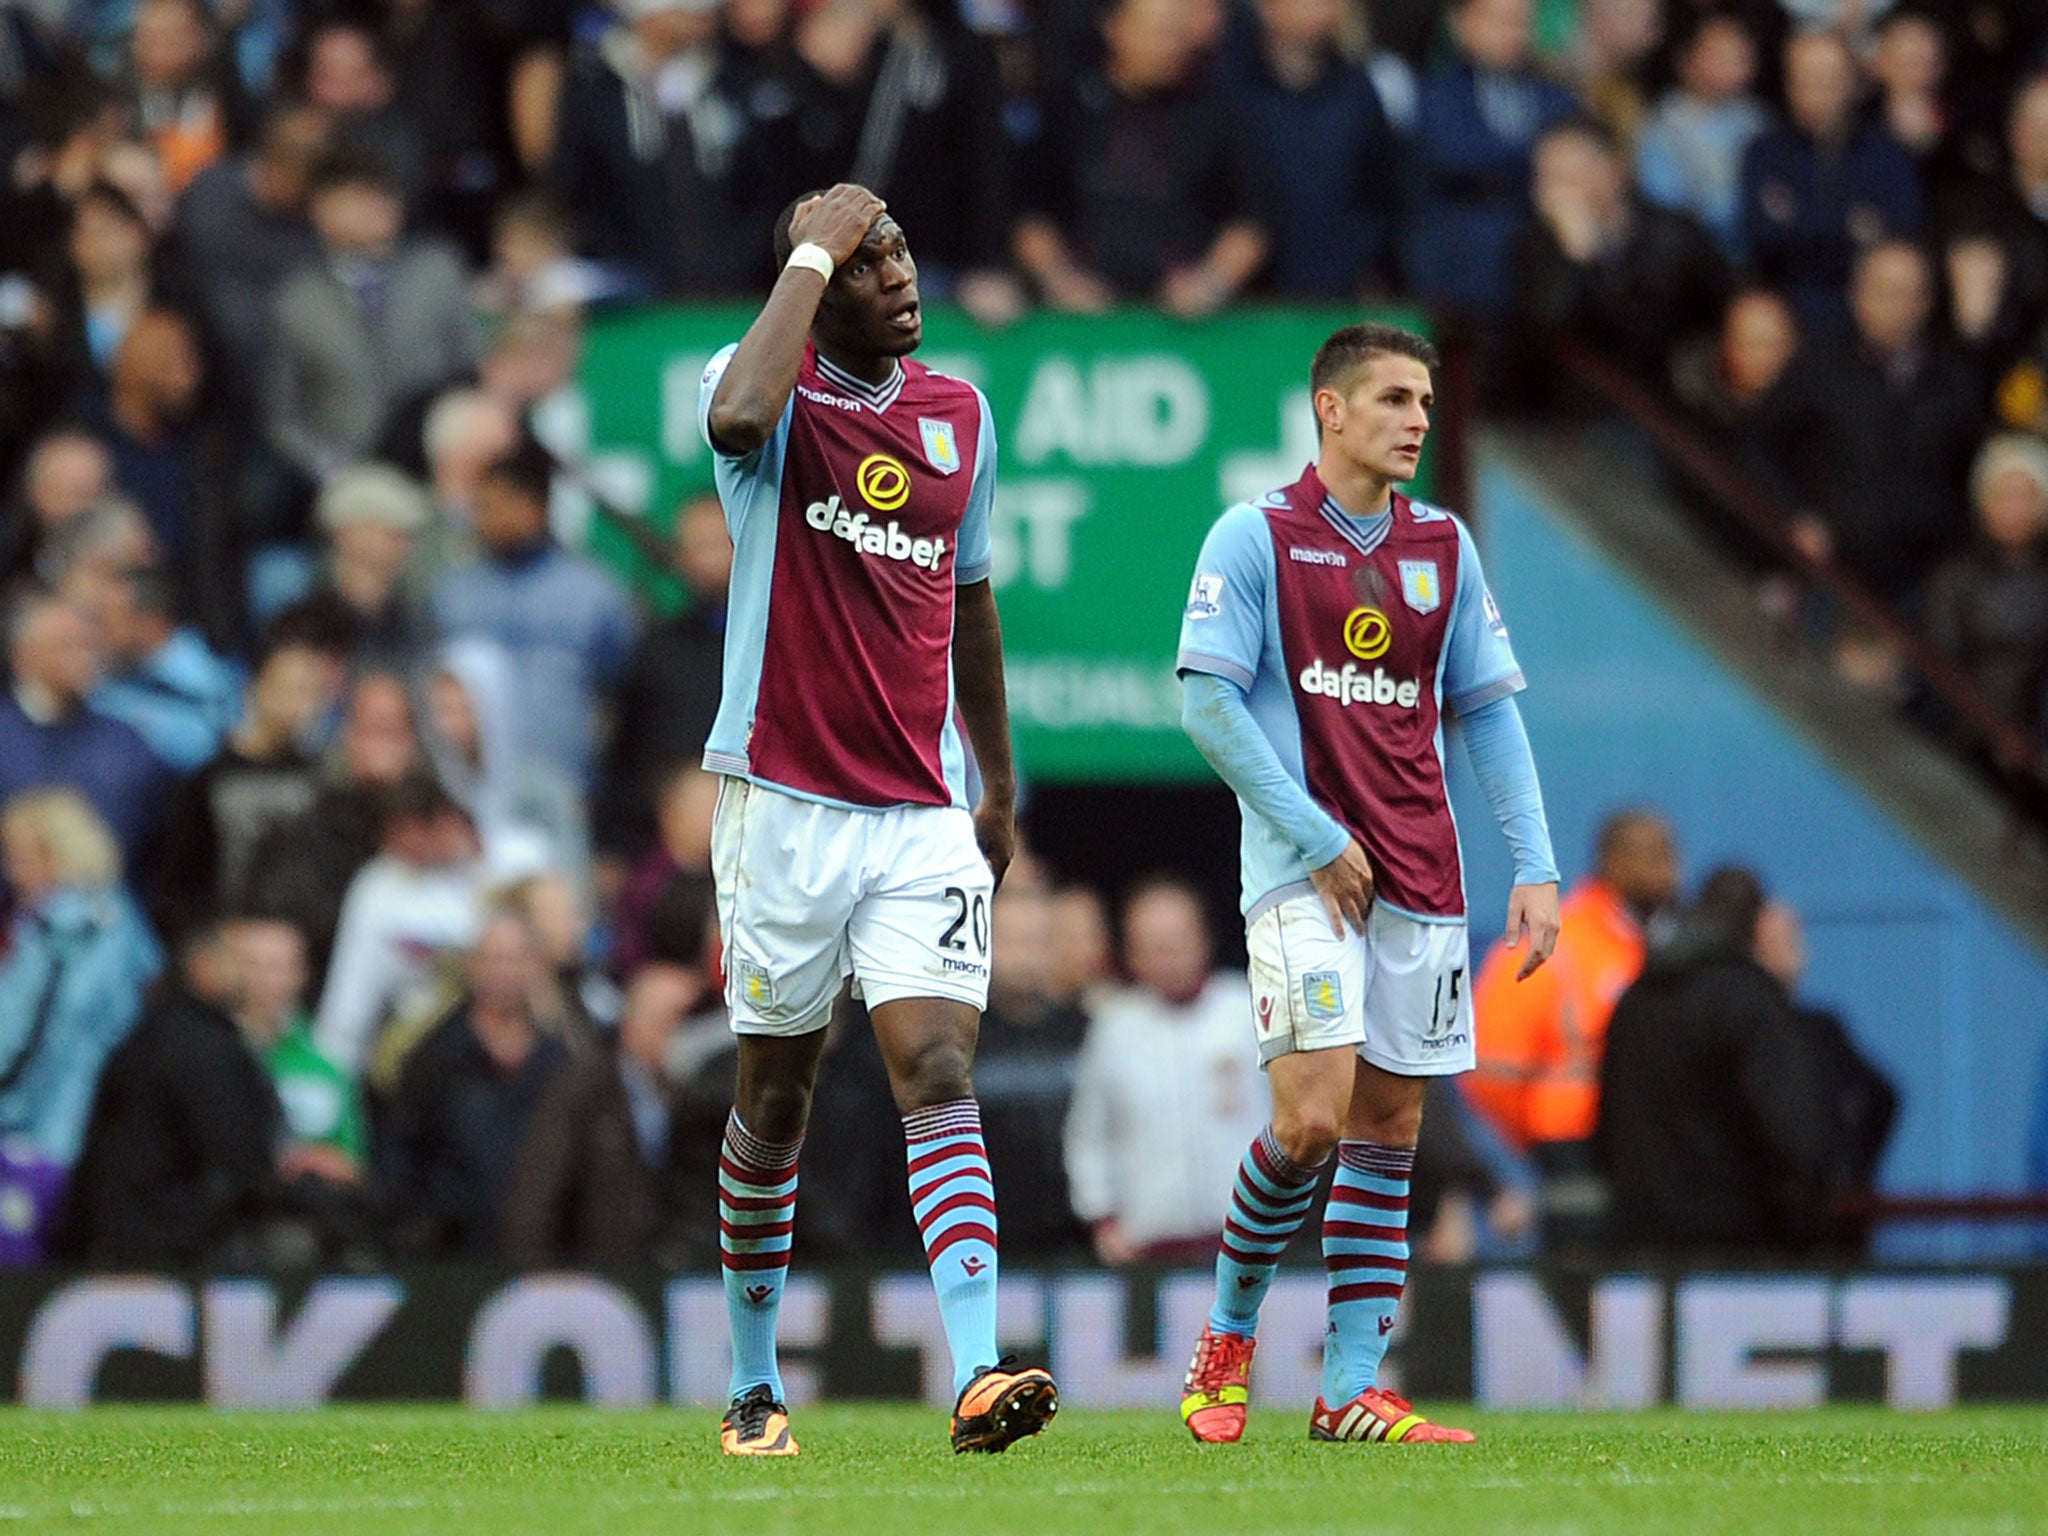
851, 527
1350, 637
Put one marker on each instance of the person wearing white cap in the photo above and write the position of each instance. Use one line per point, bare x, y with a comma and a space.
1988, 606
372, 516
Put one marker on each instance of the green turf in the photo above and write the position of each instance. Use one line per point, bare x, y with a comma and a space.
560, 1472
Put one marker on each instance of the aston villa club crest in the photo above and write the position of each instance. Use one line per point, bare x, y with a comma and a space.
941, 448
1421, 588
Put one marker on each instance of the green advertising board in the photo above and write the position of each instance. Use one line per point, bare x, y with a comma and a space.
1121, 438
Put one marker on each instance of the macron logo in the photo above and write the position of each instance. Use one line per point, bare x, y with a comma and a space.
1351, 686
837, 402
884, 542
1317, 556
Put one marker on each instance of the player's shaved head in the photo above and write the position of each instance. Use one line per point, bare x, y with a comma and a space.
783, 220
1342, 360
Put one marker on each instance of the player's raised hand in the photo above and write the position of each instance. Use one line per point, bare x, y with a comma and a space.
1532, 913
838, 220
1345, 884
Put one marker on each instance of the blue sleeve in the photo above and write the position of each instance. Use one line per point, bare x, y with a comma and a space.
976, 552
1216, 717
1659, 177
1498, 748
1479, 665
707, 390
1223, 630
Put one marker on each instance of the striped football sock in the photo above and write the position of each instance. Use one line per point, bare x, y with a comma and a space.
756, 1211
1267, 1207
954, 1201
1365, 1249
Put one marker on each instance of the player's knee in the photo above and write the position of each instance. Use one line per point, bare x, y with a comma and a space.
1307, 1133
774, 1111
938, 1072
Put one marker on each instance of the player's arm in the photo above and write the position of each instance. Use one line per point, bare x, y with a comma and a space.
978, 658
1222, 638
756, 385
1481, 678
985, 710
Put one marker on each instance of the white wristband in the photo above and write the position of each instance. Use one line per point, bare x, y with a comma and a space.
812, 257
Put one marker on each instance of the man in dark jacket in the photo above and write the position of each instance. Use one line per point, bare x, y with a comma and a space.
1716, 1128
1623, 275
180, 1154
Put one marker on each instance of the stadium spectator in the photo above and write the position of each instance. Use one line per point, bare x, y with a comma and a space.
671, 684
1142, 182
182, 92
1332, 214
166, 457
1824, 185
323, 1133
302, 867
1167, 1063
1725, 382
1908, 63
1477, 118
49, 735
567, 625
109, 279
1718, 1130
64, 472
376, 320
1083, 965
448, 89
1607, 61
2015, 205
1631, 279
178, 1165
469, 707
467, 1096
348, 76
262, 778
1875, 430
160, 675
244, 226
90, 555
884, 80
417, 901
1538, 1078
77, 959
594, 1181
1024, 1066
463, 433
1690, 154
534, 266
372, 516
669, 177
659, 913
1988, 606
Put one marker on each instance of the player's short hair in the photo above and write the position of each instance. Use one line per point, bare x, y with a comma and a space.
1345, 355
783, 244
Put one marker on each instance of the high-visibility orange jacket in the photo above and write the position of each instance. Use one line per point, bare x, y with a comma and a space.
1540, 1040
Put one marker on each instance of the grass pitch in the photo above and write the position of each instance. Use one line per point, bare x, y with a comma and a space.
563, 1472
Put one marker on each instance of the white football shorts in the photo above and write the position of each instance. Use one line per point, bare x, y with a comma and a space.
1399, 992
809, 894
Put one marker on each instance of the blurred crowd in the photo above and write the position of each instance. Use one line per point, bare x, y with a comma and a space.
356, 859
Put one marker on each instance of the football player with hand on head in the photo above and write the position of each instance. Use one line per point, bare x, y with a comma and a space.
857, 487
1330, 626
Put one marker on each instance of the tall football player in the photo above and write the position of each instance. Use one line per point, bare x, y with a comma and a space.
1331, 626
857, 487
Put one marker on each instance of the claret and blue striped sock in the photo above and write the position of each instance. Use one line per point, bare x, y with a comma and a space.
1267, 1207
756, 1214
954, 1201
1365, 1249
